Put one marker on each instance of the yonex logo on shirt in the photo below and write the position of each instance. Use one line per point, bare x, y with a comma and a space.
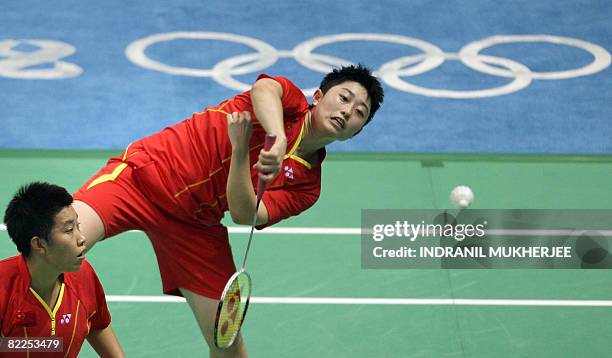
288, 172
66, 318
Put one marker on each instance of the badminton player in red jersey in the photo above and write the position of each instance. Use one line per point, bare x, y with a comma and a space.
177, 184
50, 290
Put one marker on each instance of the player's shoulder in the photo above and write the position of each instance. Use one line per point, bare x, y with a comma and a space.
285, 82
10, 278
7, 262
9, 268
275, 78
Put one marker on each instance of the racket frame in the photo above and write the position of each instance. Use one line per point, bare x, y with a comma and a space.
226, 290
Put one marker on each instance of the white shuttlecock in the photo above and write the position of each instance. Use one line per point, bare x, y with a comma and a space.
461, 196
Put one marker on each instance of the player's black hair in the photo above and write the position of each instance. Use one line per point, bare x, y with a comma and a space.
32, 212
363, 76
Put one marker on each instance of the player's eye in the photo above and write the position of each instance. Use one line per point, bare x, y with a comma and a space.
343, 98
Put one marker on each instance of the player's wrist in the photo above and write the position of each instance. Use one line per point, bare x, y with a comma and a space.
281, 142
240, 152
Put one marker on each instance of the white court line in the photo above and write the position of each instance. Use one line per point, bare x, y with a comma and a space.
283, 230
357, 231
298, 230
382, 301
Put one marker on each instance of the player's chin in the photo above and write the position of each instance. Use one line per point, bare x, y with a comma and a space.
337, 134
344, 135
75, 266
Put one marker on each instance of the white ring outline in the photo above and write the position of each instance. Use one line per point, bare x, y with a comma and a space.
389, 73
135, 52
222, 70
470, 55
304, 52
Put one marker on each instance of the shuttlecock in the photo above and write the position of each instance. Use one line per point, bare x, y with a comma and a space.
461, 196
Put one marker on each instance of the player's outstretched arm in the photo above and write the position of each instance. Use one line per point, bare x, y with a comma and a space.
266, 97
105, 343
241, 197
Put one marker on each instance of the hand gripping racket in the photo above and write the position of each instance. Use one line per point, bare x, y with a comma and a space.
235, 297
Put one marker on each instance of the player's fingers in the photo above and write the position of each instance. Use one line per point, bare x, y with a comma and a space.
267, 167
242, 117
235, 118
268, 160
268, 174
270, 156
267, 177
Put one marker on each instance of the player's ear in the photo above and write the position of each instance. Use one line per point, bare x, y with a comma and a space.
38, 245
316, 97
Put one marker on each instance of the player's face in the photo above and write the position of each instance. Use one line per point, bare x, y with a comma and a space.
66, 249
342, 110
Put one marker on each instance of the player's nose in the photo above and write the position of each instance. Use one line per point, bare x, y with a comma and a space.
345, 112
81, 240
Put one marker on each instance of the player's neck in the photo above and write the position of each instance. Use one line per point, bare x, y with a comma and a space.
311, 143
44, 280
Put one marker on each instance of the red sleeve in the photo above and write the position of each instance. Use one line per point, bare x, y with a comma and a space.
293, 100
101, 318
9, 288
283, 203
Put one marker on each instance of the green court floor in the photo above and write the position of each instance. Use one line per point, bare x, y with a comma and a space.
329, 266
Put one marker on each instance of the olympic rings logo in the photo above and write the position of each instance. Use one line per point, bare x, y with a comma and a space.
393, 73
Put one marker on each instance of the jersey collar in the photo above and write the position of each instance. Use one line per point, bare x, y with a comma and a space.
291, 154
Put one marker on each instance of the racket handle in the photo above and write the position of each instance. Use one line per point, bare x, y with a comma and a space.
261, 185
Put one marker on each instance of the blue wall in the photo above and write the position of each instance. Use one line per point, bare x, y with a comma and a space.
104, 100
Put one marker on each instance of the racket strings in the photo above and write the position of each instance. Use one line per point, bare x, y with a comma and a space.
233, 309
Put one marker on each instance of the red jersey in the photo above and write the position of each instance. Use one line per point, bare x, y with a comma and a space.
81, 306
192, 160
172, 185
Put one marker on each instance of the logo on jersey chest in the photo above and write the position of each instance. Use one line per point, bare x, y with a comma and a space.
66, 318
288, 172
